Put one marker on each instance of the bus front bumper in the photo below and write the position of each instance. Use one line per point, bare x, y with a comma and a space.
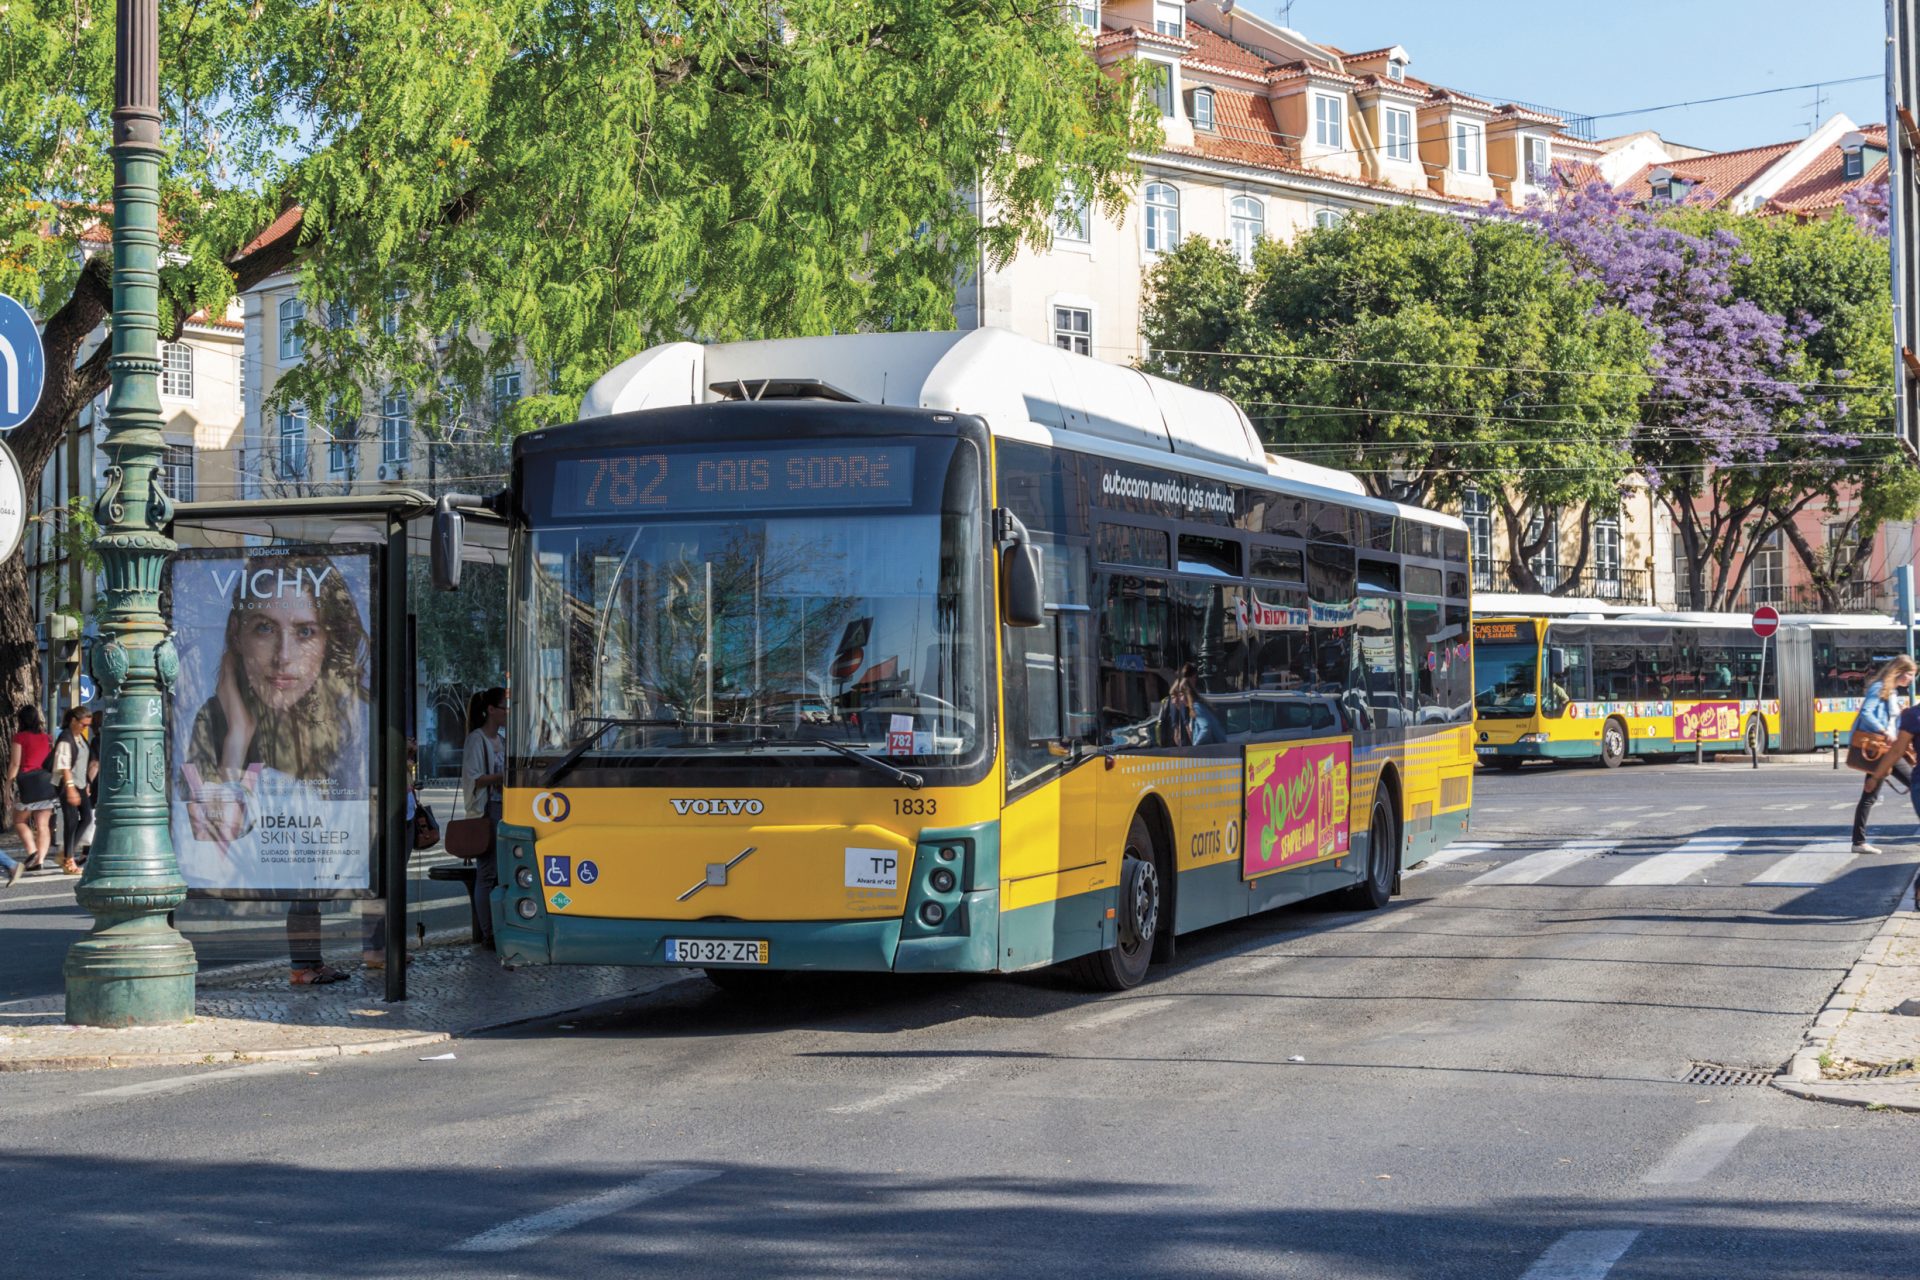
964, 938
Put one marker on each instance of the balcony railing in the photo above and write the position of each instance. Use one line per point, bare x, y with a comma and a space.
1858, 597
1622, 586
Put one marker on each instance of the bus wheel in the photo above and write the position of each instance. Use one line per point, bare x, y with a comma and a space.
1509, 764
1613, 744
1123, 965
1383, 852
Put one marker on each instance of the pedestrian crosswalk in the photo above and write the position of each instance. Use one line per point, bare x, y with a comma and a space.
1620, 861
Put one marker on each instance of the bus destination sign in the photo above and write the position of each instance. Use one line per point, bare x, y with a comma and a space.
667, 482
1495, 632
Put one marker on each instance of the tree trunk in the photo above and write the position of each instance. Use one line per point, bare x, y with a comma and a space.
1570, 579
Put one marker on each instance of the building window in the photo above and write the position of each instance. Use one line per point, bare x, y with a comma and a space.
1203, 108
1682, 576
1396, 69
176, 370
1856, 164
1327, 219
1163, 218
1476, 509
176, 472
1538, 160
340, 315
1248, 219
396, 427
396, 298
1087, 15
343, 443
1169, 17
1466, 148
292, 312
506, 391
293, 442
1545, 562
1399, 132
1073, 330
1070, 221
1843, 554
1606, 558
1328, 126
1160, 82
1767, 575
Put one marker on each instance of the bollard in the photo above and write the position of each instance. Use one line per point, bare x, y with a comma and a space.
1836, 753
1753, 745
1699, 750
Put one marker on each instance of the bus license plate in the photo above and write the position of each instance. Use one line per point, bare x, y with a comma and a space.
715, 951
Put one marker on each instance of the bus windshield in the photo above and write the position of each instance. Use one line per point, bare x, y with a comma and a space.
763, 629
1504, 679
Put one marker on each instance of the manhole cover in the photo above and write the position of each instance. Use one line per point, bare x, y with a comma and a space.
1714, 1073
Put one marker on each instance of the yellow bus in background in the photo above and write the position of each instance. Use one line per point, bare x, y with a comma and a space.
954, 652
1595, 682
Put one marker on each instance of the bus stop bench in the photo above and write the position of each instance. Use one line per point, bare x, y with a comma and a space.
464, 873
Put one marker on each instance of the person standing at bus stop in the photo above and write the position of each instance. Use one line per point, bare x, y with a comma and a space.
1880, 711
483, 778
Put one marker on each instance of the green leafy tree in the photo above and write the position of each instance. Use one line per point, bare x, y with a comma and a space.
1424, 352
576, 180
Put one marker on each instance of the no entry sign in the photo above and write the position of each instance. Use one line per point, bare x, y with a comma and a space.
1766, 621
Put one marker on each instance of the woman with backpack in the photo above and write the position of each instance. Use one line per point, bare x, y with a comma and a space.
34, 795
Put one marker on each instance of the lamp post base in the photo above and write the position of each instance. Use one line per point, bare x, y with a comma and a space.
130, 982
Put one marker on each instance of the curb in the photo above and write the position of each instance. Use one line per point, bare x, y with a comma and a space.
1855, 1095
1802, 1076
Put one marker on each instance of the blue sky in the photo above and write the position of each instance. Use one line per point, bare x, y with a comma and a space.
1627, 54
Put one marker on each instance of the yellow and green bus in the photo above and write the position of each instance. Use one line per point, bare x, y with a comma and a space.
1609, 682
954, 652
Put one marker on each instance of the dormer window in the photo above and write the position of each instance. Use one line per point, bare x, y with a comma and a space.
1538, 160
1396, 69
1203, 109
1666, 186
1853, 149
1466, 148
1086, 14
1169, 18
1856, 164
1329, 123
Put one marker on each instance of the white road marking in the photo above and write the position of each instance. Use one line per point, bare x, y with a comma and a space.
175, 1084
1582, 1255
1844, 804
901, 1092
1814, 865
1688, 808
1455, 852
1120, 1012
1698, 1154
525, 1231
1536, 867
1783, 808
1677, 866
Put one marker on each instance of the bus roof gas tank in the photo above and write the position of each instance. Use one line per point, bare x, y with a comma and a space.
1014, 383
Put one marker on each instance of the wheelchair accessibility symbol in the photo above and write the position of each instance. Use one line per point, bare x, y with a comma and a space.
588, 873
556, 870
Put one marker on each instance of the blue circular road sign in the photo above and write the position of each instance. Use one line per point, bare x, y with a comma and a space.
87, 689
23, 364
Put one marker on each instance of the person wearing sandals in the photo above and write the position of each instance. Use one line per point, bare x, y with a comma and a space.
34, 795
1880, 713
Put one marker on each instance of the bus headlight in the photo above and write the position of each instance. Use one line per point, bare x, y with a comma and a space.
524, 877
526, 908
932, 913
942, 880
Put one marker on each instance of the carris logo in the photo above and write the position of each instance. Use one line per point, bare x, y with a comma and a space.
551, 806
716, 808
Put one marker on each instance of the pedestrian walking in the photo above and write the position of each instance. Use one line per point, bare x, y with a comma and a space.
483, 777
34, 794
1875, 742
73, 775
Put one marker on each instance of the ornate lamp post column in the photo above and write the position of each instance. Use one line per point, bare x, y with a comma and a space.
133, 968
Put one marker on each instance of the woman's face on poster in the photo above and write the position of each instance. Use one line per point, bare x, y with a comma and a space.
282, 646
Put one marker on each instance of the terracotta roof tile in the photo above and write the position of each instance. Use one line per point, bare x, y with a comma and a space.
1216, 50
1724, 173
285, 224
1823, 184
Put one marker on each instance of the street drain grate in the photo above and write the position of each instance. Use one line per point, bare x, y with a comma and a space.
1714, 1073
1880, 1072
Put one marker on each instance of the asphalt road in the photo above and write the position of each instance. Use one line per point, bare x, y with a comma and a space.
1485, 1081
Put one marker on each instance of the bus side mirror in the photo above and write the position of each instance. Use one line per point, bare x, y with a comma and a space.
1556, 663
1023, 605
448, 541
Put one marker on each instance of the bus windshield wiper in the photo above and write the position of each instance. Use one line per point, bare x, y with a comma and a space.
911, 781
604, 723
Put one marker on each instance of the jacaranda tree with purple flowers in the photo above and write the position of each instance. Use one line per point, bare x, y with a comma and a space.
1770, 356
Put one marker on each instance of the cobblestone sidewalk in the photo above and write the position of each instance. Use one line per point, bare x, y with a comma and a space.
1864, 1048
251, 1014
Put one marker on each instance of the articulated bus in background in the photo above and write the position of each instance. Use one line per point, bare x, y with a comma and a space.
1579, 680
954, 652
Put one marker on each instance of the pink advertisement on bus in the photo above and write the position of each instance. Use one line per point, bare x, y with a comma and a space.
1296, 804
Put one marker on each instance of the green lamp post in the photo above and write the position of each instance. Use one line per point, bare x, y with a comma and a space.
133, 968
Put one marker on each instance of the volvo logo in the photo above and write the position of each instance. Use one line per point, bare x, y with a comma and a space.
551, 806
717, 808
